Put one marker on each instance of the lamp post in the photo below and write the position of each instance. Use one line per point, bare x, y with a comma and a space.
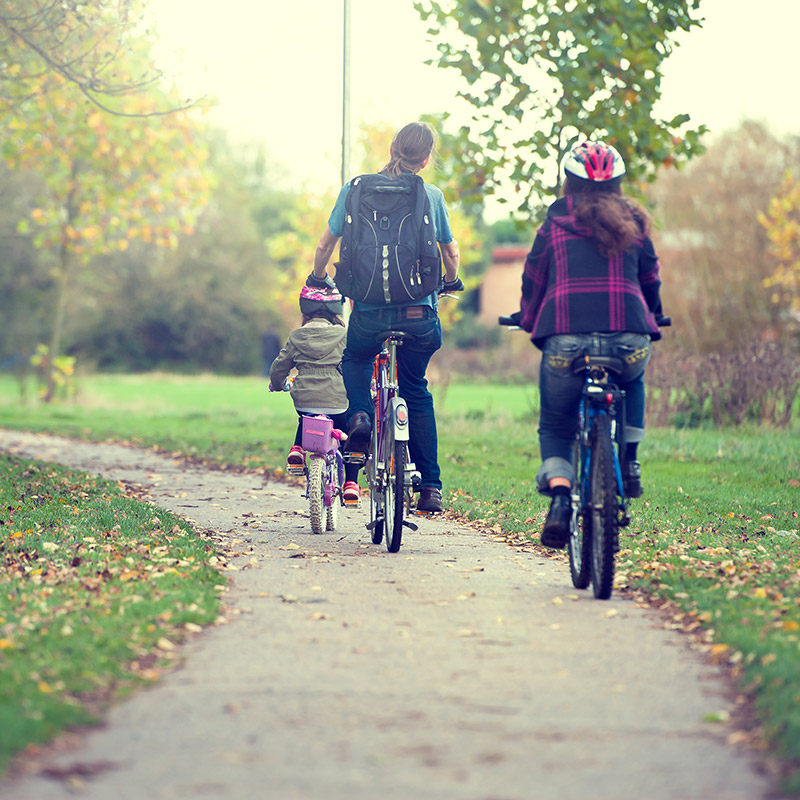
346, 95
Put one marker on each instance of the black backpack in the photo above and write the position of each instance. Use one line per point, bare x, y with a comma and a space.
388, 253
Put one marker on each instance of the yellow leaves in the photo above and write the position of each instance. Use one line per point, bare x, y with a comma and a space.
791, 625
6, 644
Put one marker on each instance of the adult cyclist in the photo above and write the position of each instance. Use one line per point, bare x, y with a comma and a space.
410, 151
590, 285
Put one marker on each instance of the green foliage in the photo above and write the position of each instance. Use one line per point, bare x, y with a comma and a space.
553, 72
96, 589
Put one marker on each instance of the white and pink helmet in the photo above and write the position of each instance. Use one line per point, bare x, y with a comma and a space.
594, 161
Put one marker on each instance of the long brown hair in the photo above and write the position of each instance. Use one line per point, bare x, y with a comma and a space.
616, 222
411, 145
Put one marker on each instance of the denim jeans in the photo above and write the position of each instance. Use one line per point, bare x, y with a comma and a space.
560, 392
364, 341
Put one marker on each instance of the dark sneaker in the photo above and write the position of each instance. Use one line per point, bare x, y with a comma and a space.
430, 501
633, 479
359, 433
556, 527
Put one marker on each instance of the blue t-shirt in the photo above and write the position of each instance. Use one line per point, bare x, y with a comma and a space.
441, 224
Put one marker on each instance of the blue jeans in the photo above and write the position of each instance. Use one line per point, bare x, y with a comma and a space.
364, 341
560, 393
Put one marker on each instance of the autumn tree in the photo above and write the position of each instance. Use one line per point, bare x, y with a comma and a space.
781, 221
81, 41
713, 249
106, 179
541, 74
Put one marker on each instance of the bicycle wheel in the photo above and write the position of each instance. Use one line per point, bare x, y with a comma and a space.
375, 499
316, 493
332, 511
603, 498
580, 540
394, 494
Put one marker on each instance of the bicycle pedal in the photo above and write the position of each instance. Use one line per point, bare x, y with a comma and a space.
418, 513
295, 470
352, 503
354, 458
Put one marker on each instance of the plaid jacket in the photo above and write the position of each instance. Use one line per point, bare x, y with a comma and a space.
568, 287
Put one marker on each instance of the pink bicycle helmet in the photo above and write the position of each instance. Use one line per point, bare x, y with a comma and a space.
314, 300
594, 161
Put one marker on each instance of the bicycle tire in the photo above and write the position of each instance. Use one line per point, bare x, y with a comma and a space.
332, 511
375, 498
394, 494
580, 540
580, 552
603, 508
316, 494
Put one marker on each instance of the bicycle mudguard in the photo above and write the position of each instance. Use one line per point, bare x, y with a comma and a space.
397, 414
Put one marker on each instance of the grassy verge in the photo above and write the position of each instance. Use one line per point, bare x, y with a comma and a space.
96, 591
714, 542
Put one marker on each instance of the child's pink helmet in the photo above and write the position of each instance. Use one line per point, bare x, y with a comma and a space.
313, 300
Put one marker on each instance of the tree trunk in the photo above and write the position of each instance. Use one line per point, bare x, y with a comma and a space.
62, 287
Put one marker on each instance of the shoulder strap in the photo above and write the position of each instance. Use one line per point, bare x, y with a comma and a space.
351, 217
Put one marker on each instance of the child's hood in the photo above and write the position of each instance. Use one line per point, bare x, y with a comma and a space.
319, 342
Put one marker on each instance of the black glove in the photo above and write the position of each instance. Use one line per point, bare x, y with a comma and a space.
320, 283
453, 286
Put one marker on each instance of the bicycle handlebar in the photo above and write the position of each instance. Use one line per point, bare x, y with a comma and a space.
513, 320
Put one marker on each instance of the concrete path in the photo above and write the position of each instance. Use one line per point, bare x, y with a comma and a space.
461, 667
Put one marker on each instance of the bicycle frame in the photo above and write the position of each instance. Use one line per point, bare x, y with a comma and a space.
601, 396
321, 442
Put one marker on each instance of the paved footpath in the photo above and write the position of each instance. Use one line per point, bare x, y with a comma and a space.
459, 668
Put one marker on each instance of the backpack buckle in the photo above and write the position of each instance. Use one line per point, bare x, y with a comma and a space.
384, 223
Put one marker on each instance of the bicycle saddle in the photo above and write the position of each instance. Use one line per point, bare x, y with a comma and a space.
610, 363
398, 336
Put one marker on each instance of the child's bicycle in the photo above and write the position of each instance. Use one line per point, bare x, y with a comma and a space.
324, 472
599, 503
390, 474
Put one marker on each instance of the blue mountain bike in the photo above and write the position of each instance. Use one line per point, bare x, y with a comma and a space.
599, 502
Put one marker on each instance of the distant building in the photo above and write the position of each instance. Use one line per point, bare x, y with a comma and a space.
501, 286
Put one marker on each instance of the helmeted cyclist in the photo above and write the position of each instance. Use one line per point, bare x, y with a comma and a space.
410, 151
315, 351
590, 285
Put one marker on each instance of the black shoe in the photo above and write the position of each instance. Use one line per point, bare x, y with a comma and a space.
633, 479
359, 433
556, 527
430, 501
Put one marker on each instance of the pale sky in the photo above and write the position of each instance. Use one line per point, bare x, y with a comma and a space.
276, 70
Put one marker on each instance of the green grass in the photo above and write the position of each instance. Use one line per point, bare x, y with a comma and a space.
96, 588
714, 542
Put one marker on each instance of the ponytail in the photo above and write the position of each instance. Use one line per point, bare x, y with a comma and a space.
411, 146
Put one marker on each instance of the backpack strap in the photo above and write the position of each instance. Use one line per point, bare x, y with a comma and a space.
351, 217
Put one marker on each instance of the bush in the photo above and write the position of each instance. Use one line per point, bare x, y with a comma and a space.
758, 384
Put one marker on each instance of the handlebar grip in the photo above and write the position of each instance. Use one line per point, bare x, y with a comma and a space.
511, 320
663, 322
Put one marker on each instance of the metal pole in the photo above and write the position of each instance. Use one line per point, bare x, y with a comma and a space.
346, 96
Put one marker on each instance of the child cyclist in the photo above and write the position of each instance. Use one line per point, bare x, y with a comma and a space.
590, 286
315, 351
